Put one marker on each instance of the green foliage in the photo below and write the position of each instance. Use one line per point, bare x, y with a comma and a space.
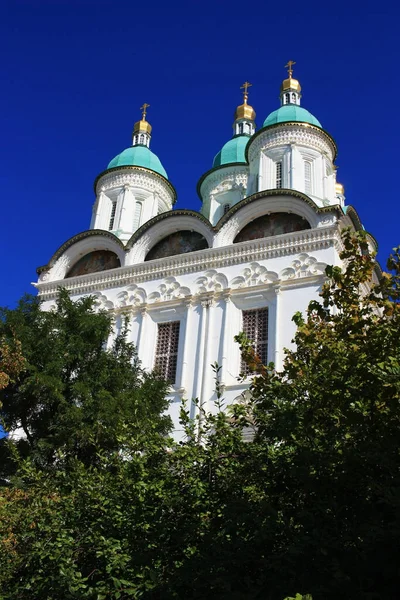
297, 487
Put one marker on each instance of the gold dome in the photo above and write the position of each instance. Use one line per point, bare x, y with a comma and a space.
290, 84
245, 111
339, 188
142, 126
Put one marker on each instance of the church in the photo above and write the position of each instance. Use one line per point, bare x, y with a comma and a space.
270, 221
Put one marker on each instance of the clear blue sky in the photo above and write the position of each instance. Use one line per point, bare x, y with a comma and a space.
75, 72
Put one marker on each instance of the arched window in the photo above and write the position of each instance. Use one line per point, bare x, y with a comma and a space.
307, 177
141, 138
240, 127
136, 218
178, 242
287, 98
270, 225
98, 260
278, 173
293, 98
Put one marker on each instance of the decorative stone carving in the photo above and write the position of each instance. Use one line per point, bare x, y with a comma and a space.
139, 179
296, 134
303, 266
132, 296
57, 271
222, 181
211, 281
102, 302
171, 289
254, 274
226, 234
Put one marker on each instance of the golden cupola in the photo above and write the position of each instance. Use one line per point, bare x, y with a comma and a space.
142, 129
245, 115
290, 88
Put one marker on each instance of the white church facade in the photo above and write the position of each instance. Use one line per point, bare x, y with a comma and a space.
271, 220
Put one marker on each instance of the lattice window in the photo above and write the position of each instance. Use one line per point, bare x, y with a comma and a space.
112, 216
138, 213
167, 350
278, 168
307, 177
226, 208
255, 326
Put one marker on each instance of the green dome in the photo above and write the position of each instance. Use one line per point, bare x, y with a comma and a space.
232, 152
138, 156
291, 112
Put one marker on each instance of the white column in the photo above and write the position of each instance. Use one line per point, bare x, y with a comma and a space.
277, 358
186, 346
101, 215
143, 315
226, 327
127, 209
207, 373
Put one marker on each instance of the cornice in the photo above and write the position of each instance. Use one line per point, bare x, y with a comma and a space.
212, 258
295, 124
133, 168
76, 238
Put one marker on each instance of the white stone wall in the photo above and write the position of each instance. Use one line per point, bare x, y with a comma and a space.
207, 291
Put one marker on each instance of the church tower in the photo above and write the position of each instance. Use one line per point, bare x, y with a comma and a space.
189, 281
134, 188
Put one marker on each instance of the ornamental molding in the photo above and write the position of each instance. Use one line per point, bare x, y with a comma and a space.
136, 179
254, 274
297, 135
303, 266
170, 289
57, 271
211, 281
225, 181
132, 296
304, 242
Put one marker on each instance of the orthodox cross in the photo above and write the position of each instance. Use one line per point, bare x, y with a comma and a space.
144, 110
245, 87
289, 67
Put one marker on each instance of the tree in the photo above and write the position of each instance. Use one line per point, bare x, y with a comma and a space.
74, 394
310, 502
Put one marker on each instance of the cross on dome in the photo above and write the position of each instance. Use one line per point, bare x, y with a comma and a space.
290, 88
245, 88
144, 108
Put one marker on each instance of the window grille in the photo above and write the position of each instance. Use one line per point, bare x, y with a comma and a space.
287, 98
167, 350
141, 138
138, 213
226, 208
293, 98
307, 177
279, 174
241, 127
112, 216
255, 327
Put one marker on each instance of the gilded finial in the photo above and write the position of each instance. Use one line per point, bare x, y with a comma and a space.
289, 67
245, 87
144, 110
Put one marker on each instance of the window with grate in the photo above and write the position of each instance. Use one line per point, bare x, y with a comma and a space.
255, 326
279, 174
307, 177
112, 216
167, 350
287, 98
226, 208
138, 213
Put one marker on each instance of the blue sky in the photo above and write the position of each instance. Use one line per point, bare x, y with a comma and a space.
75, 73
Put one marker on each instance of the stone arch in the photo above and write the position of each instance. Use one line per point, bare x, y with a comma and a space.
92, 262
165, 225
179, 242
77, 248
260, 205
270, 224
